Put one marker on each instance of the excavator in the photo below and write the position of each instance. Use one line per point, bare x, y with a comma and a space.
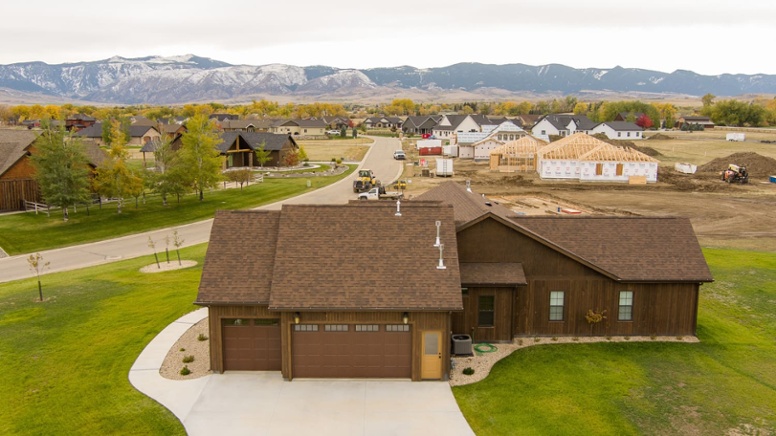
735, 174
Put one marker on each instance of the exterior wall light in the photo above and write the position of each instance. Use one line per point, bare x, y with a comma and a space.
405, 317
297, 316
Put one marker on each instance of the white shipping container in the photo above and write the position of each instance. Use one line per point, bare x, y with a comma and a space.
450, 150
685, 168
736, 137
444, 167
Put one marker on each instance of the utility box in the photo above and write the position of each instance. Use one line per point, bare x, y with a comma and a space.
462, 345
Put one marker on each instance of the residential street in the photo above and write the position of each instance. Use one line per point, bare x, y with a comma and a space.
379, 159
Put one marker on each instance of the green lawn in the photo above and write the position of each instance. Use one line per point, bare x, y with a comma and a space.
25, 233
725, 383
65, 361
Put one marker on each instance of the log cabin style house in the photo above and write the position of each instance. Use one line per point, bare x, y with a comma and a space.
364, 289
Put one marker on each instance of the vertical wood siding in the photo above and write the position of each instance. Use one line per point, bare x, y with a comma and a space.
661, 309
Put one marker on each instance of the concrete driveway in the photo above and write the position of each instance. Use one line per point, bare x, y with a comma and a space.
262, 403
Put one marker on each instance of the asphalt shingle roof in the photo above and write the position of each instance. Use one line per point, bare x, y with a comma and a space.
498, 274
13, 146
272, 141
467, 206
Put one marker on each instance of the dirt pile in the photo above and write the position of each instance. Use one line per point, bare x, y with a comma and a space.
757, 165
659, 137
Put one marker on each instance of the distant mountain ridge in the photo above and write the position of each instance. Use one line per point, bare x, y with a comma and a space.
179, 79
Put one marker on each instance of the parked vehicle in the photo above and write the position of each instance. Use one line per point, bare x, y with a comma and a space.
379, 193
333, 132
399, 155
735, 174
365, 181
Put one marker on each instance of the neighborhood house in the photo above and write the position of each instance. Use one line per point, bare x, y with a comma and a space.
297, 295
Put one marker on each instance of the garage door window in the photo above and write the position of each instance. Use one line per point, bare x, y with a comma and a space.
367, 328
237, 322
336, 327
397, 328
306, 327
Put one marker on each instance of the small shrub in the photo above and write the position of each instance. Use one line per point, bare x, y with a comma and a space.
575, 339
519, 342
555, 339
626, 338
202, 337
468, 370
537, 339
653, 337
182, 349
188, 359
608, 338
185, 370
680, 338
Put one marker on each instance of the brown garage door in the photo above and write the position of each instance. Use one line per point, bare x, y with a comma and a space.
352, 351
251, 344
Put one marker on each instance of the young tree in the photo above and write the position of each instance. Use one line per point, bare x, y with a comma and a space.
199, 155
168, 175
36, 265
114, 178
262, 155
61, 169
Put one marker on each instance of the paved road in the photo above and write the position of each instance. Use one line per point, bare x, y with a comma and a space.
379, 159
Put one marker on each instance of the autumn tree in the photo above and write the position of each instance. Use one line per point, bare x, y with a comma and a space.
262, 154
61, 169
644, 121
737, 113
168, 175
199, 155
114, 178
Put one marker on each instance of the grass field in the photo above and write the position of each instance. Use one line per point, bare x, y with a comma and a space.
726, 384
65, 361
352, 150
701, 147
25, 233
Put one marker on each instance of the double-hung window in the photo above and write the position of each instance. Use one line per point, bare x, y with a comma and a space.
556, 305
625, 311
486, 311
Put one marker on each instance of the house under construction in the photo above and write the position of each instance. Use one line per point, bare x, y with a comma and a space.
586, 158
518, 156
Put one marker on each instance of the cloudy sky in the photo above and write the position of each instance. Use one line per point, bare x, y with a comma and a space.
708, 37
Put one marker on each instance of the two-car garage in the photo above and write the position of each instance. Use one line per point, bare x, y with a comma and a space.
320, 350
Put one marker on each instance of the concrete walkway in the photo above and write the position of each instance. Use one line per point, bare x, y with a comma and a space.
262, 403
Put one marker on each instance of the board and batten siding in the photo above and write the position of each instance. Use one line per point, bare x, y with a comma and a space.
467, 322
660, 309
418, 321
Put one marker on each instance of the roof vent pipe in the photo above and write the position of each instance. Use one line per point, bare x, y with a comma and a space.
468, 186
441, 260
437, 243
398, 208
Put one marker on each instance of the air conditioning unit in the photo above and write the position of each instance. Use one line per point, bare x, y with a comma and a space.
462, 345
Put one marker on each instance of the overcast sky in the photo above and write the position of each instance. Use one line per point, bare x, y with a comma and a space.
708, 37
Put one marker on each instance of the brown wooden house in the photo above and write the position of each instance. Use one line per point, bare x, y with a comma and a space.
240, 148
312, 301
17, 183
539, 276
304, 294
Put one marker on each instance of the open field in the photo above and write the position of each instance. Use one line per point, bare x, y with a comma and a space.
352, 150
726, 384
27, 232
723, 215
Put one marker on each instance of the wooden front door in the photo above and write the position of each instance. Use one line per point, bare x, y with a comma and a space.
431, 360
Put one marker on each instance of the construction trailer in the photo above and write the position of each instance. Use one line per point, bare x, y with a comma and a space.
516, 156
586, 158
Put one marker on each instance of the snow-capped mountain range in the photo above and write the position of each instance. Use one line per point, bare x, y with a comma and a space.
190, 78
